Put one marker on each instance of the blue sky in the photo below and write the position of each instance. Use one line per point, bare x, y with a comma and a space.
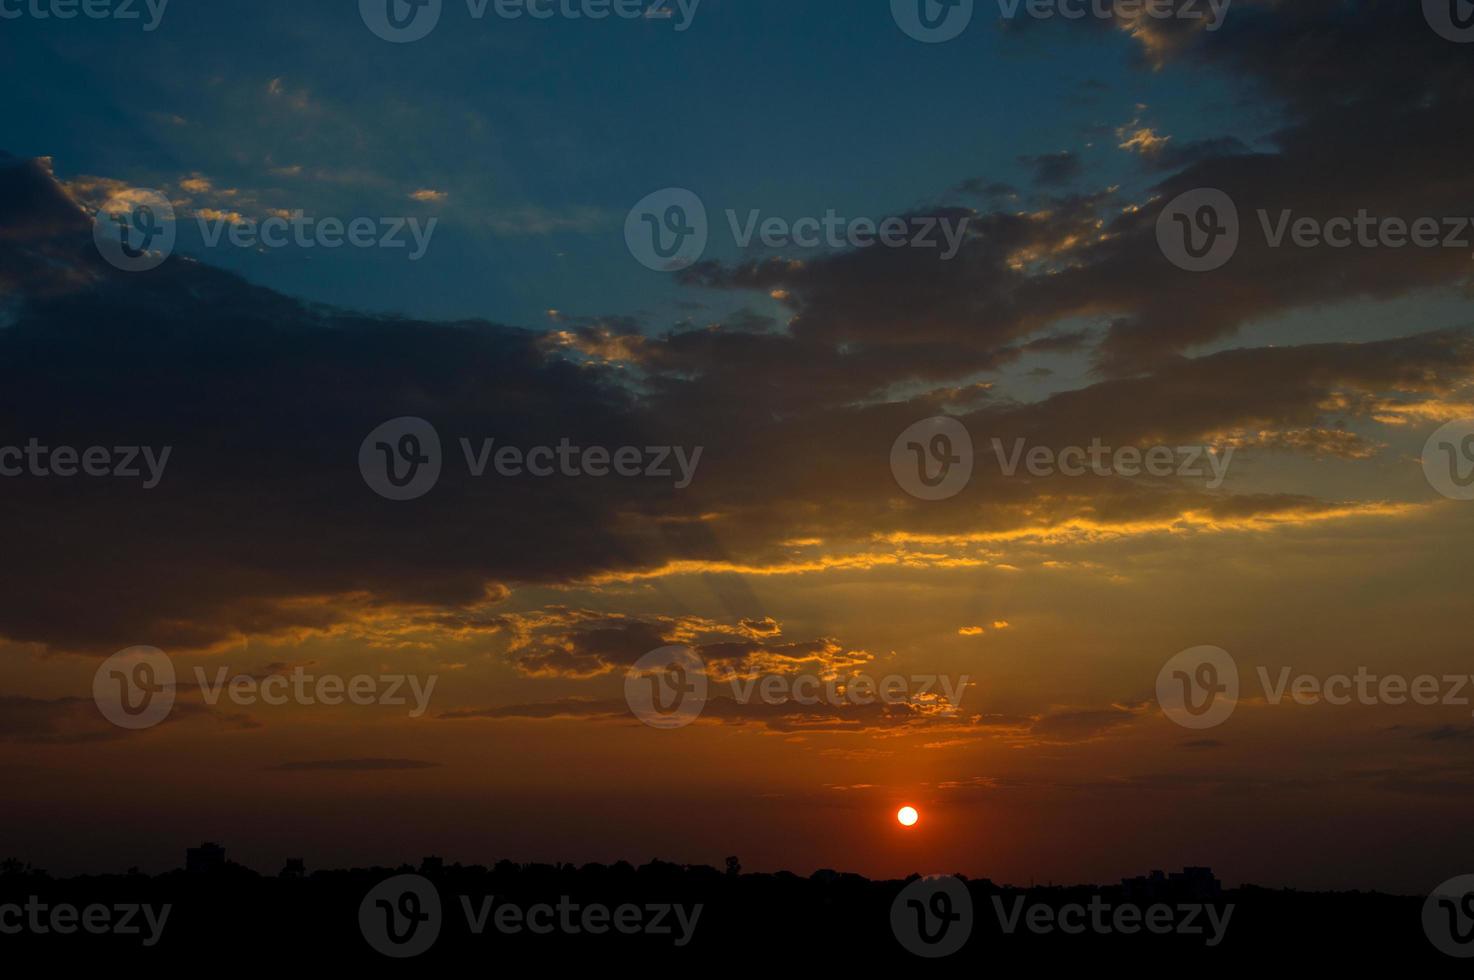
543, 134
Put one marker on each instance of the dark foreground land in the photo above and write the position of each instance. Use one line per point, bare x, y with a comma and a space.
647, 919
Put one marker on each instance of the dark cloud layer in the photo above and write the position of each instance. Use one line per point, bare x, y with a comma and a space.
263, 523
1359, 133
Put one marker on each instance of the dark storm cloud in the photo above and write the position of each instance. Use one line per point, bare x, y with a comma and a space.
266, 401
602, 645
1175, 156
264, 525
42, 235
1054, 168
1363, 129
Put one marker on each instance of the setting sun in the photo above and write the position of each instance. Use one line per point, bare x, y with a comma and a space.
908, 816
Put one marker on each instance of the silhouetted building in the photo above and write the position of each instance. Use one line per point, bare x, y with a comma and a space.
1145, 886
207, 857
295, 868
432, 865
1197, 883
1189, 883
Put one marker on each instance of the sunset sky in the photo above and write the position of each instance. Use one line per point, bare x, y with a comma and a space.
795, 549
